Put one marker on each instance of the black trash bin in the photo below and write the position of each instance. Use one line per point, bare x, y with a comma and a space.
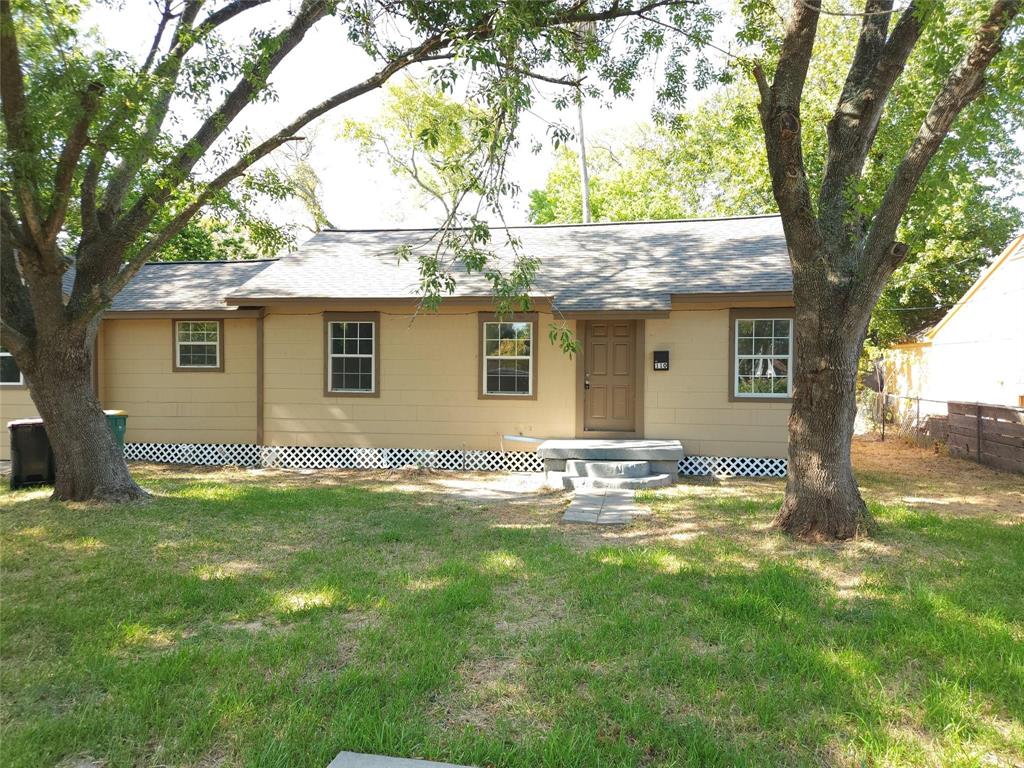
31, 457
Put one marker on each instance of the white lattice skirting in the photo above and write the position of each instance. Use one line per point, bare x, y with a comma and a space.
307, 457
733, 466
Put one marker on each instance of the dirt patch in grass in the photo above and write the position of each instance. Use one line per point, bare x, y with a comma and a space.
514, 499
737, 513
227, 570
253, 626
81, 761
893, 472
524, 612
896, 471
214, 759
490, 690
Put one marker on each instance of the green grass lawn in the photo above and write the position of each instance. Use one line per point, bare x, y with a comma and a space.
275, 619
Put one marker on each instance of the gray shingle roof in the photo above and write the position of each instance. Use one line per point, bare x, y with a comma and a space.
636, 266
182, 285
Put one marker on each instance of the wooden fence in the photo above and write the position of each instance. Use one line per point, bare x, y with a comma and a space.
989, 434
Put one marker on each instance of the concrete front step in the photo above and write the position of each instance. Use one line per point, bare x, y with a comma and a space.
581, 468
611, 450
576, 483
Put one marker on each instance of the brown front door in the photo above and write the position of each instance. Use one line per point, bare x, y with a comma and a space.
609, 379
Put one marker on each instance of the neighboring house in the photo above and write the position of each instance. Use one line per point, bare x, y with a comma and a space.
976, 352
315, 357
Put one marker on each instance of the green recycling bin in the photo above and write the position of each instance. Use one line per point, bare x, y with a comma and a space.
118, 421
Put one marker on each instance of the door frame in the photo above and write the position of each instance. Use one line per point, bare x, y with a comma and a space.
640, 356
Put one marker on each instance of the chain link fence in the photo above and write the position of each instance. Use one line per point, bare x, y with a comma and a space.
886, 414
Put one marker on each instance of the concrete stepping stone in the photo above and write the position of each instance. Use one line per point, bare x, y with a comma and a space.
359, 760
602, 506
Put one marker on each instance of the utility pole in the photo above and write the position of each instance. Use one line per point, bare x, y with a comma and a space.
586, 32
584, 175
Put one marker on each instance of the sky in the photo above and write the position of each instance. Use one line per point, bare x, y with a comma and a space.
357, 195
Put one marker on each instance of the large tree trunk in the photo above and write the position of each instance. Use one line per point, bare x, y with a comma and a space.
90, 465
822, 499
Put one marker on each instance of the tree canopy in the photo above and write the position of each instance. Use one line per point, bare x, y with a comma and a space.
711, 162
109, 156
440, 145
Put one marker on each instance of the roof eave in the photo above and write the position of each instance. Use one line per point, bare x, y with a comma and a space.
255, 300
1016, 243
200, 314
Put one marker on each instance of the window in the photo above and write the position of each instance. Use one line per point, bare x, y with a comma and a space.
508, 363
10, 374
352, 354
763, 358
198, 345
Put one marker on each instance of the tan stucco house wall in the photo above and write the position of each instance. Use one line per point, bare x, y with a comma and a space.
168, 406
428, 385
690, 402
15, 403
677, 288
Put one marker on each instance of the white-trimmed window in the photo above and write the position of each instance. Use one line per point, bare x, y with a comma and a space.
352, 356
197, 345
764, 357
10, 374
508, 358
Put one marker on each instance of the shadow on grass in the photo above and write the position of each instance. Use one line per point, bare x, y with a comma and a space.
275, 625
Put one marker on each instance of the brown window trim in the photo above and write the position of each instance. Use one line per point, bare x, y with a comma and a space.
758, 313
174, 345
517, 317
351, 317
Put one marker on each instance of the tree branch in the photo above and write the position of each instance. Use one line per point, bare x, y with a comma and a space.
795, 56
229, 12
11, 338
14, 304
574, 82
167, 71
12, 227
87, 201
65, 174
867, 13
764, 88
95, 290
414, 172
183, 40
780, 122
177, 170
12, 94
963, 84
877, 63
165, 16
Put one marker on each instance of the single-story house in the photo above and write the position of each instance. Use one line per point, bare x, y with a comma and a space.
975, 353
322, 357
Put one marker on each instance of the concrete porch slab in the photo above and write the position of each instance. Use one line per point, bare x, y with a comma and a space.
612, 450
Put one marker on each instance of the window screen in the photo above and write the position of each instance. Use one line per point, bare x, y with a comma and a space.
763, 358
508, 358
352, 356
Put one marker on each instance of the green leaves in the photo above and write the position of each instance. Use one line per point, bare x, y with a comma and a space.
442, 146
711, 161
